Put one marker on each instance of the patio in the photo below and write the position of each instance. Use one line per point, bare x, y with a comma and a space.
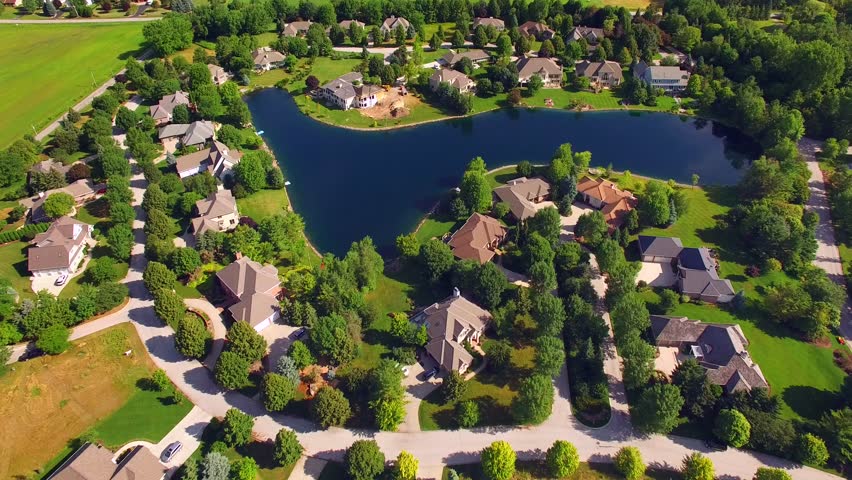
657, 274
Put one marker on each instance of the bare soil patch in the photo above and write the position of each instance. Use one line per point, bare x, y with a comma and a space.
392, 105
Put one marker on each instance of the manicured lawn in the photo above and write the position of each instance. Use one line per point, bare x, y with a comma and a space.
39, 84
268, 79
264, 203
147, 415
435, 227
50, 401
629, 4
493, 392
73, 287
13, 267
530, 470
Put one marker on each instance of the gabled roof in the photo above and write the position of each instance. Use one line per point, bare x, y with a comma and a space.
392, 22
520, 192
294, 28
534, 28
456, 79
529, 66
445, 321
195, 133
668, 247
475, 55
93, 462
592, 35
265, 56
164, 108
596, 69
244, 276
470, 242
52, 249
696, 259
218, 204
254, 308
488, 21
704, 283
602, 190
345, 24
46, 166
218, 73
139, 464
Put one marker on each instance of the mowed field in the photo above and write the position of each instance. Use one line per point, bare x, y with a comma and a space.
46, 69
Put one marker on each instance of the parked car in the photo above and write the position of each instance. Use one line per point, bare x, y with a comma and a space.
714, 445
405, 371
430, 373
301, 333
61, 280
171, 451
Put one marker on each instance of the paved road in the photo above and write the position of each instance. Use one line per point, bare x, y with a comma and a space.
66, 21
827, 255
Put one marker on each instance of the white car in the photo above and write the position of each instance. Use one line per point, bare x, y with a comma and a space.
171, 451
405, 371
61, 280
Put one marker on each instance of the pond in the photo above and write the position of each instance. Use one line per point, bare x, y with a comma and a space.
348, 184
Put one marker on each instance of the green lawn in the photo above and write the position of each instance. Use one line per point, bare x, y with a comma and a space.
264, 203
13, 267
147, 415
531, 470
48, 68
493, 392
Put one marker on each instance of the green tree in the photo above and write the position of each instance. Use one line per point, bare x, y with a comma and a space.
406, 466
192, 337
467, 414
811, 449
437, 259
657, 409
732, 427
654, 205
185, 261
330, 337
542, 277
53, 340
453, 387
699, 394
592, 228
287, 447
245, 341
158, 224
216, 467
154, 199
301, 355
408, 245
330, 408
766, 473
250, 172
499, 354
172, 33
534, 85
244, 468
364, 460
158, 277
547, 223
277, 392
698, 467
120, 239
549, 355
58, 204
237, 427
169, 306
534, 401
232, 371
504, 46
475, 189
562, 459
498, 461
628, 462
388, 413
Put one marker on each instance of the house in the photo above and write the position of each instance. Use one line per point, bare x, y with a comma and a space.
345, 25
60, 249
296, 29
348, 91
697, 275
593, 36
216, 159
186, 134
82, 191
217, 213
456, 80
521, 194
162, 111
601, 74
392, 23
265, 59
605, 196
546, 68
253, 288
670, 79
498, 24
218, 74
538, 30
449, 324
13, 3
45, 167
94, 462
476, 56
720, 349
478, 238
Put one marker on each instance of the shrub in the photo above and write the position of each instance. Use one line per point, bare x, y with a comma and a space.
301, 355
277, 392
498, 461
192, 338
811, 449
698, 467
765, 473
467, 414
406, 466
330, 408
562, 459
287, 447
732, 428
237, 427
27, 231
53, 340
364, 460
628, 462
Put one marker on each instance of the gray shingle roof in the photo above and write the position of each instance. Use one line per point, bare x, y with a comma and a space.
668, 247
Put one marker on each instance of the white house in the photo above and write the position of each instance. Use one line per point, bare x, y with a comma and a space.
60, 249
218, 159
670, 79
348, 91
392, 23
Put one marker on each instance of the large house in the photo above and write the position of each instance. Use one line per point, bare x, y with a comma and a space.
720, 349
696, 268
218, 74
392, 23
94, 462
478, 238
217, 213
538, 30
296, 29
456, 80
521, 194
253, 289
593, 36
349, 91
265, 59
449, 325
82, 190
186, 134
546, 68
216, 159
498, 24
601, 74
345, 25
50, 165
476, 56
162, 111
605, 196
670, 79
60, 249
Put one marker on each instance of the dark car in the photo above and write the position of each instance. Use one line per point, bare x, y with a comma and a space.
430, 374
714, 445
301, 332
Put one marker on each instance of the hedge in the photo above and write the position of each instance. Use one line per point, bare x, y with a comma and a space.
31, 230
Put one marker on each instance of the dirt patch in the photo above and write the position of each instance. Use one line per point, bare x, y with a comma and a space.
49, 401
393, 104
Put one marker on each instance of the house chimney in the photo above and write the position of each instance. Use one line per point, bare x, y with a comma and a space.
456, 292
239, 255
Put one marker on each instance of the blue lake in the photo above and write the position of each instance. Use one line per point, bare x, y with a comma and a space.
348, 184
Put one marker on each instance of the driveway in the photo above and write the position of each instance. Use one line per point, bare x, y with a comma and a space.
569, 222
416, 389
188, 432
656, 274
279, 337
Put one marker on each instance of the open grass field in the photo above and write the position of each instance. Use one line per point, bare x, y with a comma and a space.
49, 402
493, 392
264, 203
49, 68
13, 267
536, 471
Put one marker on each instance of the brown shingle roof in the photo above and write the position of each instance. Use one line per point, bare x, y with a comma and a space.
520, 192
250, 281
473, 239
164, 108
218, 204
456, 79
93, 462
444, 321
52, 249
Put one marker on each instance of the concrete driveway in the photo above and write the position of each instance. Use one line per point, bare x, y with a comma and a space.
279, 337
49, 283
657, 274
569, 222
188, 432
416, 389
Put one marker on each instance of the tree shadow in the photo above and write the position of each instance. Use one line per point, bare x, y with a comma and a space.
810, 402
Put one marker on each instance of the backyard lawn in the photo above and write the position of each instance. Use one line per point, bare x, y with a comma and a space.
264, 203
13, 267
49, 402
91, 54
